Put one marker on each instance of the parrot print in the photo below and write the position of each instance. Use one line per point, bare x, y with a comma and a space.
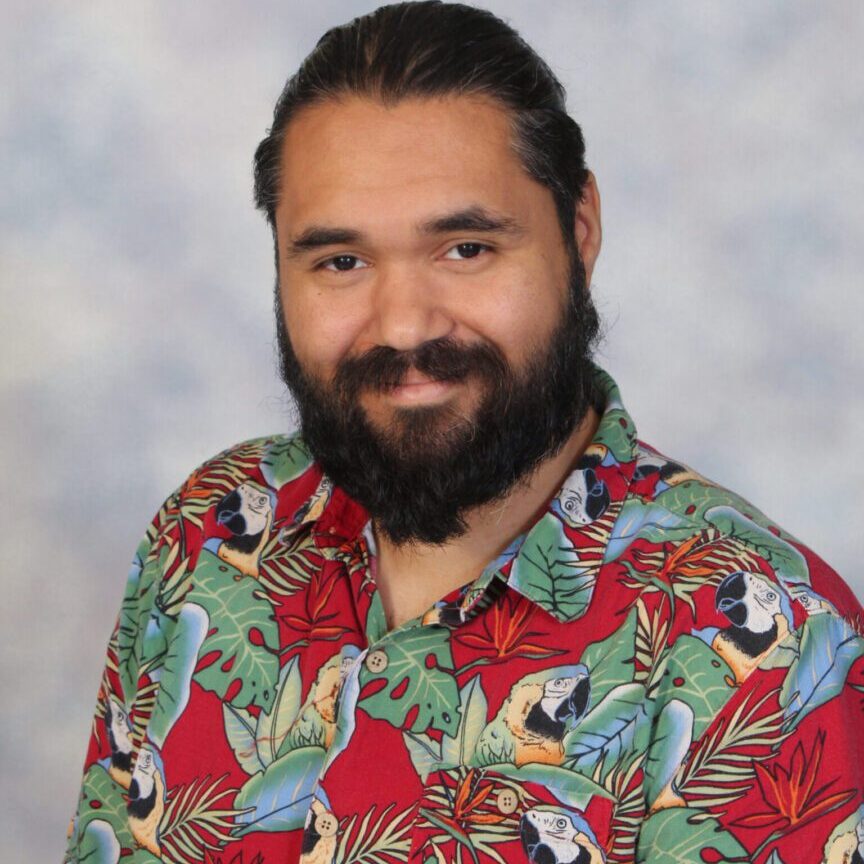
653, 673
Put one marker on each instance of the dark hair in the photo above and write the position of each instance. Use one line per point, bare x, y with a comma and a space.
429, 49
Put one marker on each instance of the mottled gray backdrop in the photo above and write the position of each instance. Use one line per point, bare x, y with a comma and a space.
136, 332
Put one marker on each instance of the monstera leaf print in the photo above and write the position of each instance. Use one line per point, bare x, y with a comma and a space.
285, 460
692, 498
610, 660
618, 433
413, 690
548, 570
241, 643
278, 798
788, 563
682, 835
698, 676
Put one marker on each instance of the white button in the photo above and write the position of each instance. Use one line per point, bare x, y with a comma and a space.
507, 802
326, 824
376, 661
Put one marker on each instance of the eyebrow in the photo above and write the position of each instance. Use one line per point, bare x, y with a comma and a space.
468, 219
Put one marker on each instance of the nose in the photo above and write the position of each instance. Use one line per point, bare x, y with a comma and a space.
407, 308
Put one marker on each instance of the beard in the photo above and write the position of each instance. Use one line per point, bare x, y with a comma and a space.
419, 477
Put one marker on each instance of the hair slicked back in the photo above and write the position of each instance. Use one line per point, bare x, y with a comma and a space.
429, 49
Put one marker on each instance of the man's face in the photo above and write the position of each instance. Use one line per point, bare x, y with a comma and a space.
423, 279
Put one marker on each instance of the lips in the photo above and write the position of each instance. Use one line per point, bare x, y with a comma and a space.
418, 388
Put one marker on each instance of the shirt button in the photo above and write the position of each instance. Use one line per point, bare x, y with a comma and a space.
507, 802
326, 824
376, 661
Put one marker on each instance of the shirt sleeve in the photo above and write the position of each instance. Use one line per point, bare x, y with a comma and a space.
100, 830
776, 776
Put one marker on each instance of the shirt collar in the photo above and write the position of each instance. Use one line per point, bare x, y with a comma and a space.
555, 563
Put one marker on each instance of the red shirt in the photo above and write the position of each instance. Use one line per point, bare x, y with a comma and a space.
653, 672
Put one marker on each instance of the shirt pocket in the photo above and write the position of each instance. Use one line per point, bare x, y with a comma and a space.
534, 813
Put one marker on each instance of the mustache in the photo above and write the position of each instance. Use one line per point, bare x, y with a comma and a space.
383, 368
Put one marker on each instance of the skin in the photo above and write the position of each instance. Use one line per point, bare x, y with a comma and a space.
380, 244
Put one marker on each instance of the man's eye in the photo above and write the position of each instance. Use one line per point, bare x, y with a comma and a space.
462, 251
343, 263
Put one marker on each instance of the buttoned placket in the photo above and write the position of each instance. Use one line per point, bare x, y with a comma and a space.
480, 594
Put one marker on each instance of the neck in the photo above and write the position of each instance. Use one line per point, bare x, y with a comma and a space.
411, 577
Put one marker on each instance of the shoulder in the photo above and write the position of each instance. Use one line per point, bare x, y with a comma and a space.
274, 461
263, 480
669, 501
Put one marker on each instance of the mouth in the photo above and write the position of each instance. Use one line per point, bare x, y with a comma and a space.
419, 389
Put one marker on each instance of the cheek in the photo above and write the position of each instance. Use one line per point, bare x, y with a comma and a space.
518, 323
322, 330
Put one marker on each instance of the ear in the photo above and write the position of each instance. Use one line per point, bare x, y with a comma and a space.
587, 227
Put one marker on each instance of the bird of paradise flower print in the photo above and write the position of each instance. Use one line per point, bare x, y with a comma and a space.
654, 672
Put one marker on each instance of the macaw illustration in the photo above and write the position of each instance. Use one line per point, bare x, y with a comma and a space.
668, 473
541, 709
597, 453
316, 722
147, 800
760, 615
247, 512
452, 613
583, 498
551, 835
814, 603
846, 843
319, 835
314, 506
120, 740
345, 705
449, 614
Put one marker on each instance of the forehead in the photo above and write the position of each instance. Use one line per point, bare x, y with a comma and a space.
414, 156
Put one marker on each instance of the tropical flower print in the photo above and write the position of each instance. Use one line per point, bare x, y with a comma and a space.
654, 672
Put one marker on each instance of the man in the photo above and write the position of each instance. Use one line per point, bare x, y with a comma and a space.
468, 615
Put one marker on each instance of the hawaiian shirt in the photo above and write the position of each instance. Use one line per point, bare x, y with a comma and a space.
654, 672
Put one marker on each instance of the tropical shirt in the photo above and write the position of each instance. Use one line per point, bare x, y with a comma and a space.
654, 672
